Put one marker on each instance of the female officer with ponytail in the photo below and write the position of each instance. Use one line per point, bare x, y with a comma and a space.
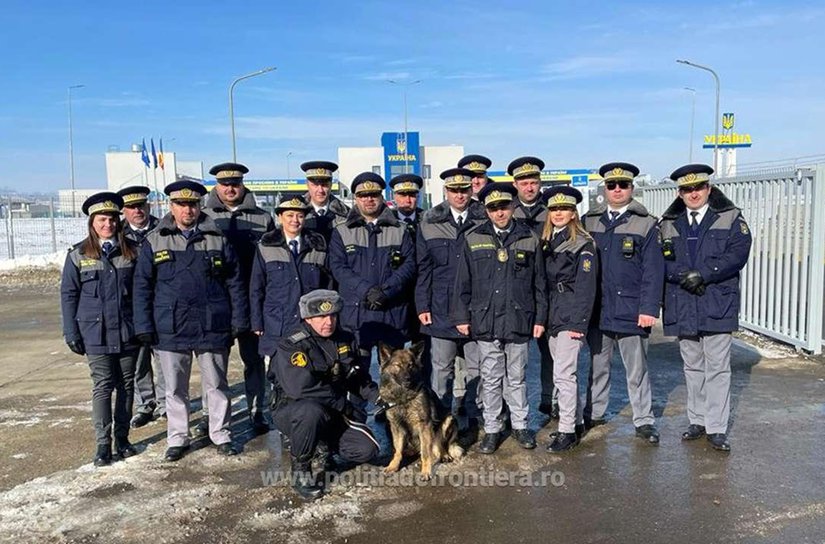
571, 264
96, 301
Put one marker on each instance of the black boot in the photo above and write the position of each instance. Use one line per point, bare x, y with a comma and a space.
489, 444
103, 457
259, 424
124, 448
563, 442
302, 480
201, 429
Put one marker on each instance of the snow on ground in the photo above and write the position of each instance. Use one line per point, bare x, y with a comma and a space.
34, 261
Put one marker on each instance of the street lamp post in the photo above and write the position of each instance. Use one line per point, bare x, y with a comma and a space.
692, 119
71, 148
406, 139
288, 175
716, 120
232, 105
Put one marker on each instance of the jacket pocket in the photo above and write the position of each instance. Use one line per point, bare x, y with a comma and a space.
91, 329
218, 317
719, 302
670, 310
627, 306
165, 318
89, 283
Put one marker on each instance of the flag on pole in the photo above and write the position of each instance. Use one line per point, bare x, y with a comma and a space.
143, 155
160, 154
154, 155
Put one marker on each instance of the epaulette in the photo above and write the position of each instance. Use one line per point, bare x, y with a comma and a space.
298, 336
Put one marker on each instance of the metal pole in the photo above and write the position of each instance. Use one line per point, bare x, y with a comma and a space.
288, 175
406, 134
11, 231
71, 147
232, 105
716, 120
692, 119
51, 222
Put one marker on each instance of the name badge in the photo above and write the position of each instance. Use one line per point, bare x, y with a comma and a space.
163, 256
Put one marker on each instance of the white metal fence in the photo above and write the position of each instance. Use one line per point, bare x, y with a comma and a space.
782, 284
31, 236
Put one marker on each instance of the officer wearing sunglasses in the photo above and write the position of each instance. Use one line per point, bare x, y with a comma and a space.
632, 277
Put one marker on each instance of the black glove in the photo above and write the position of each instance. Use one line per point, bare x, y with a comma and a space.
376, 299
337, 372
77, 346
236, 332
147, 338
692, 282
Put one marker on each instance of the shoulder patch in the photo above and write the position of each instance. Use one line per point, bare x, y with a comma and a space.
162, 256
298, 359
343, 349
351, 248
587, 264
743, 227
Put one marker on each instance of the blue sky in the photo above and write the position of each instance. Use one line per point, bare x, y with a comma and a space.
576, 83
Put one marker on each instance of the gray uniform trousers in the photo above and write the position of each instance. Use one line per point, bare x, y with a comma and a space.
565, 353
177, 368
112, 373
254, 376
503, 370
633, 350
446, 357
150, 387
707, 374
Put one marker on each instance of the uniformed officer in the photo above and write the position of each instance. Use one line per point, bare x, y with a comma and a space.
290, 262
405, 190
95, 296
327, 211
316, 366
478, 164
572, 281
137, 222
372, 256
190, 297
233, 208
500, 300
632, 282
706, 243
439, 248
526, 173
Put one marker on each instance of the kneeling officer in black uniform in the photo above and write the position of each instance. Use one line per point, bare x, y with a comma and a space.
316, 366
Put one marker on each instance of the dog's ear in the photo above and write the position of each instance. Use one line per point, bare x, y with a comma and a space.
384, 353
417, 350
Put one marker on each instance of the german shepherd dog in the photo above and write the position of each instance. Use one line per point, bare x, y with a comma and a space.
413, 414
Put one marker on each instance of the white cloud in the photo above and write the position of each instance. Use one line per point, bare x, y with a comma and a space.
381, 76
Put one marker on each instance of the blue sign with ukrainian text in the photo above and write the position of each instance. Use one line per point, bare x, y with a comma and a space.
401, 155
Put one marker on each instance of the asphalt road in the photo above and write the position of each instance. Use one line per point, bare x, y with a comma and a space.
612, 488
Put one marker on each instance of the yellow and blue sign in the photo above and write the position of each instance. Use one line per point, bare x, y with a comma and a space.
273, 185
728, 138
577, 178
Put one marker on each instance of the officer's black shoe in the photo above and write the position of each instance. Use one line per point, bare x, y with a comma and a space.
525, 438
719, 441
303, 482
489, 444
103, 456
227, 449
693, 432
649, 433
125, 449
201, 428
593, 423
259, 424
175, 453
141, 419
563, 442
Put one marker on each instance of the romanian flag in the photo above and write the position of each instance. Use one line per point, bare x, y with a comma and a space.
160, 154
154, 155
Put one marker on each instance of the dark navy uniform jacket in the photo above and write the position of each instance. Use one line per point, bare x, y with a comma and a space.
500, 300
243, 227
632, 267
136, 236
722, 251
361, 257
278, 282
336, 214
572, 282
439, 248
532, 216
303, 367
189, 292
96, 301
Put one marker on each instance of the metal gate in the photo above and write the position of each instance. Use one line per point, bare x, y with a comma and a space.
782, 284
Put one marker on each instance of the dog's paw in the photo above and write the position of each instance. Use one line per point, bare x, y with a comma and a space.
389, 469
455, 452
426, 476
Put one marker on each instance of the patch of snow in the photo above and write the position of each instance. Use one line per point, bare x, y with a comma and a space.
34, 261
